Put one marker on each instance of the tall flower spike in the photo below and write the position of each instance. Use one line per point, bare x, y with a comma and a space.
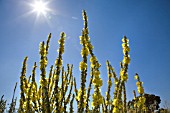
13, 103
139, 85
58, 64
22, 86
48, 42
83, 67
43, 80
34, 88
141, 101
88, 92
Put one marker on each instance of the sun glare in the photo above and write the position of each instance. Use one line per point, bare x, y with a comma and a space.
40, 7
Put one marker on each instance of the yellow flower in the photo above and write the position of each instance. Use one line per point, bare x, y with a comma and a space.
93, 59
122, 72
138, 83
115, 110
58, 62
140, 90
136, 77
83, 65
97, 73
142, 100
81, 39
110, 75
97, 82
124, 77
43, 63
97, 64
135, 105
125, 40
126, 60
126, 49
124, 45
93, 104
115, 102
84, 51
97, 99
116, 81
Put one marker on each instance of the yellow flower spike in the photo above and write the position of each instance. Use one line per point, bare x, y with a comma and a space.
61, 42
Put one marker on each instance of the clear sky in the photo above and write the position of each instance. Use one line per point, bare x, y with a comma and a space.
146, 23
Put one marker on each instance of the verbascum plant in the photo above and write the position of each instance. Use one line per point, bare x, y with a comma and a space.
23, 83
58, 64
108, 96
83, 68
140, 102
43, 81
119, 103
58, 91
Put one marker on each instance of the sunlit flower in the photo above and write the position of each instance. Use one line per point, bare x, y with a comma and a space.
140, 90
136, 77
116, 110
83, 65
126, 60
97, 82
84, 51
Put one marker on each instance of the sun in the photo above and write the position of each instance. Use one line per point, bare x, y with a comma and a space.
40, 7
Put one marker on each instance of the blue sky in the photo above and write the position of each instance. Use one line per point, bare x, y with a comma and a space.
145, 23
